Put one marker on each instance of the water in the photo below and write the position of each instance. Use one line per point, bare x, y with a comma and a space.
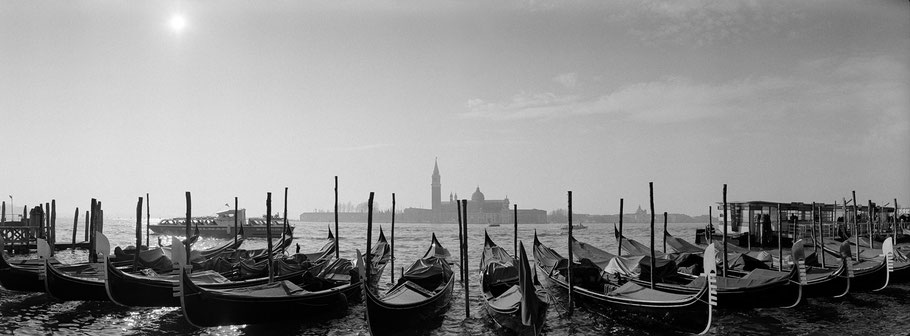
886, 312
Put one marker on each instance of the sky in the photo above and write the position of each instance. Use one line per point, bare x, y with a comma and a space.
789, 101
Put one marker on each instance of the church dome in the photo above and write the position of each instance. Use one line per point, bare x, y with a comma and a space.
477, 196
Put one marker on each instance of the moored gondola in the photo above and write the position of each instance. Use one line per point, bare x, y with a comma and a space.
141, 290
276, 302
510, 295
821, 280
756, 288
420, 297
869, 269
83, 285
25, 275
683, 312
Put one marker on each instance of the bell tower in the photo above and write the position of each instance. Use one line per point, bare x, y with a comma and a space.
436, 188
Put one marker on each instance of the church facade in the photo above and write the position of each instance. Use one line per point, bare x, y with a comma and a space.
480, 209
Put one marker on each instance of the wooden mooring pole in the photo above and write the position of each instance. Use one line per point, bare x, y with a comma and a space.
75, 228
236, 219
780, 243
856, 227
189, 219
619, 239
284, 226
138, 226
515, 230
338, 234
461, 263
569, 257
87, 224
665, 232
821, 233
92, 257
148, 221
369, 256
392, 243
869, 215
467, 280
651, 197
53, 240
268, 233
725, 232
894, 223
47, 223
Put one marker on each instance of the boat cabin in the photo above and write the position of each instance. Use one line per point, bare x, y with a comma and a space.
759, 222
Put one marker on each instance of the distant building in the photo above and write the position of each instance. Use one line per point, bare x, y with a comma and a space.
480, 209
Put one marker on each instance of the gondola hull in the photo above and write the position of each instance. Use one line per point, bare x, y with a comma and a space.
690, 316
68, 287
208, 308
25, 275
786, 293
507, 294
157, 291
511, 319
139, 291
24, 279
383, 317
831, 283
869, 278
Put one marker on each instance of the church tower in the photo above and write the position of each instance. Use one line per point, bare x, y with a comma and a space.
436, 188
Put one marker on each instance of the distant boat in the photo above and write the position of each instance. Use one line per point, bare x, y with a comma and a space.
574, 227
221, 226
492, 225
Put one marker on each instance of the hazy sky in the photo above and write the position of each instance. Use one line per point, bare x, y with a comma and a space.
781, 100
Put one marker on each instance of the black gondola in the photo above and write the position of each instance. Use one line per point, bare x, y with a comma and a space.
821, 280
756, 288
25, 275
510, 296
83, 285
89, 284
419, 298
276, 302
380, 258
870, 269
685, 312
139, 290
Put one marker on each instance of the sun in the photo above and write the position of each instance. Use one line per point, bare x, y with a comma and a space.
178, 23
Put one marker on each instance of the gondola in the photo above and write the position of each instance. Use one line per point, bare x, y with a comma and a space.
685, 312
328, 248
829, 280
380, 258
510, 297
754, 288
821, 280
871, 267
419, 298
900, 270
144, 290
276, 302
25, 275
89, 284
82, 285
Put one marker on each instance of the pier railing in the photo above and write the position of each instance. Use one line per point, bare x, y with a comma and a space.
19, 238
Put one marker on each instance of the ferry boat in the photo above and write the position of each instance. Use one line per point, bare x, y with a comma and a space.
221, 225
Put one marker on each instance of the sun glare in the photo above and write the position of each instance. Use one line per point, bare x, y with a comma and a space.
178, 23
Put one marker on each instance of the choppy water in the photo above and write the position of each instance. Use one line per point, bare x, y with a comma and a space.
886, 312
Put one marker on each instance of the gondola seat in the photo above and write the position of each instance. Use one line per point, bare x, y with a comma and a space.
408, 293
510, 299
